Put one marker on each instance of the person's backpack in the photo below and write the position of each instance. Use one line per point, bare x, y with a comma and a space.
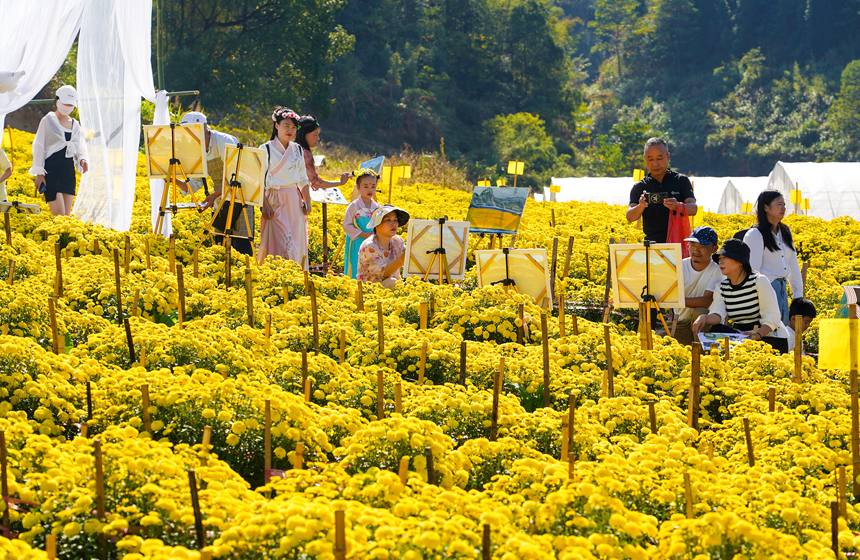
740, 235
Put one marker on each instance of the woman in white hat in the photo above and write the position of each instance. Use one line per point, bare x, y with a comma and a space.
382, 254
59, 149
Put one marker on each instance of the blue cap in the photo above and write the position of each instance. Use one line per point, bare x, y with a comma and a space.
704, 235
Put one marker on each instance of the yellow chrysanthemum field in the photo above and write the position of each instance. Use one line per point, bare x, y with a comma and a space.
426, 480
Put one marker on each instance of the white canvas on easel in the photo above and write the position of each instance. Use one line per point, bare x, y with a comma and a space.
423, 236
628, 274
252, 173
190, 150
528, 268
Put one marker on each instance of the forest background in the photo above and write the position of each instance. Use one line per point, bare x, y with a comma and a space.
571, 87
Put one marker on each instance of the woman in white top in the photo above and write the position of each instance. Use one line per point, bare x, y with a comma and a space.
772, 249
58, 149
287, 200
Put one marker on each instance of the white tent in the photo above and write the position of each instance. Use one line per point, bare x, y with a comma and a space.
833, 188
709, 192
611, 190
748, 188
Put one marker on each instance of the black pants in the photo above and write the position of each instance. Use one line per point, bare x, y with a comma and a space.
780, 344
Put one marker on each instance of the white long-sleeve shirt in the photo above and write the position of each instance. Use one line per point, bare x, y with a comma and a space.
781, 263
765, 307
218, 142
51, 138
286, 166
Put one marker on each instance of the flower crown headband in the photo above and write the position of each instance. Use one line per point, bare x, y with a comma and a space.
284, 114
362, 172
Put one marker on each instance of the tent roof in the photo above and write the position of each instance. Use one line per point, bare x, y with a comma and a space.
833, 188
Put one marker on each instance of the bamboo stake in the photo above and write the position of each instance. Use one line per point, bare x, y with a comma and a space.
267, 439
142, 356
574, 324
608, 285
554, 261
610, 374
96, 249
798, 345
89, 401
380, 328
249, 297
561, 326
59, 263
200, 534
100, 479
565, 437
52, 311
180, 285
172, 253
842, 494
51, 546
147, 421
304, 371
135, 302
545, 344
196, 262
127, 254
130, 341
359, 297
497, 389
148, 261
300, 456
571, 419
207, 437
431, 471
463, 362
315, 321
423, 363
4, 479
118, 286
834, 526
652, 416
771, 399
398, 398
567, 257
404, 470
750, 454
342, 346
339, 535
486, 551
422, 323
727, 352
688, 494
307, 389
380, 396
11, 279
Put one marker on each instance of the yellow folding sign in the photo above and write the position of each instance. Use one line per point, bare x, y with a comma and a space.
483, 183
188, 142
638, 174
805, 204
555, 188
405, 171
628, 274
516, 167
251, 173
834, 343
528, 268
500, 182
795, 197
385, 177
746, 207
422, 239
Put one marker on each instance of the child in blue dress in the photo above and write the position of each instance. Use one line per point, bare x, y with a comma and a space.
357, 218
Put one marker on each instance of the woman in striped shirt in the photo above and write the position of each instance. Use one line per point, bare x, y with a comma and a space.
745, 298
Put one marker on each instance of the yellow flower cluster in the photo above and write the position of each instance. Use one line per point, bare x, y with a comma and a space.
623, 497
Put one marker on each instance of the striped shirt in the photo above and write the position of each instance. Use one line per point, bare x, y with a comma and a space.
753, 301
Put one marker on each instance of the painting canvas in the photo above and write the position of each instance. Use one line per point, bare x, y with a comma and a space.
497, 209
374, 164
12, 205
190, 150
251, 172
331, 195
628, 274
528, 268
423, 236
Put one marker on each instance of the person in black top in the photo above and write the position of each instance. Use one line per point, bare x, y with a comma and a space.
660, 179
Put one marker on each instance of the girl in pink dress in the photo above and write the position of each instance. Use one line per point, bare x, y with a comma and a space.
287, 200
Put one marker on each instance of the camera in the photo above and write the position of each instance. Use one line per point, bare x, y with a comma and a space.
655, 198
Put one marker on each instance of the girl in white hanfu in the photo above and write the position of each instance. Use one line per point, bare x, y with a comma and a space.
287, 200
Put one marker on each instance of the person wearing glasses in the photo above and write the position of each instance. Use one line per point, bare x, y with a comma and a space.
382, 254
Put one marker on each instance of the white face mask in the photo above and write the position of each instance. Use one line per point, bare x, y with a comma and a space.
64, 109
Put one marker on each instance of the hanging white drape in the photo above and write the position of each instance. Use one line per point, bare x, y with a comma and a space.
114, 72
36, 38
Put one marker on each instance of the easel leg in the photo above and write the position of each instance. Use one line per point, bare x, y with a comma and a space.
430, 267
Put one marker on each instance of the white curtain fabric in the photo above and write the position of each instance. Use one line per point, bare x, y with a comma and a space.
114, 72
36, 38
156, 186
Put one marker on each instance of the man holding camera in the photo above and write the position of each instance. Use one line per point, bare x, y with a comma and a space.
658, 194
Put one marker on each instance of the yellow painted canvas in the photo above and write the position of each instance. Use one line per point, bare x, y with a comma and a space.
628, 274
251, 166
190, 149
497, 209
423, 237
834, 336
528, 268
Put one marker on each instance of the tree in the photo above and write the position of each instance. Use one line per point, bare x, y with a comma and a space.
614, 23
844, 115
523, 137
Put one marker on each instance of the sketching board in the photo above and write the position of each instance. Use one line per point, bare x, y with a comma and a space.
190, 150
529, 268
423, 236
628, 274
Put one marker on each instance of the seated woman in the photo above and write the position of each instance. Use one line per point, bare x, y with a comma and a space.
746, 298
381, 255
